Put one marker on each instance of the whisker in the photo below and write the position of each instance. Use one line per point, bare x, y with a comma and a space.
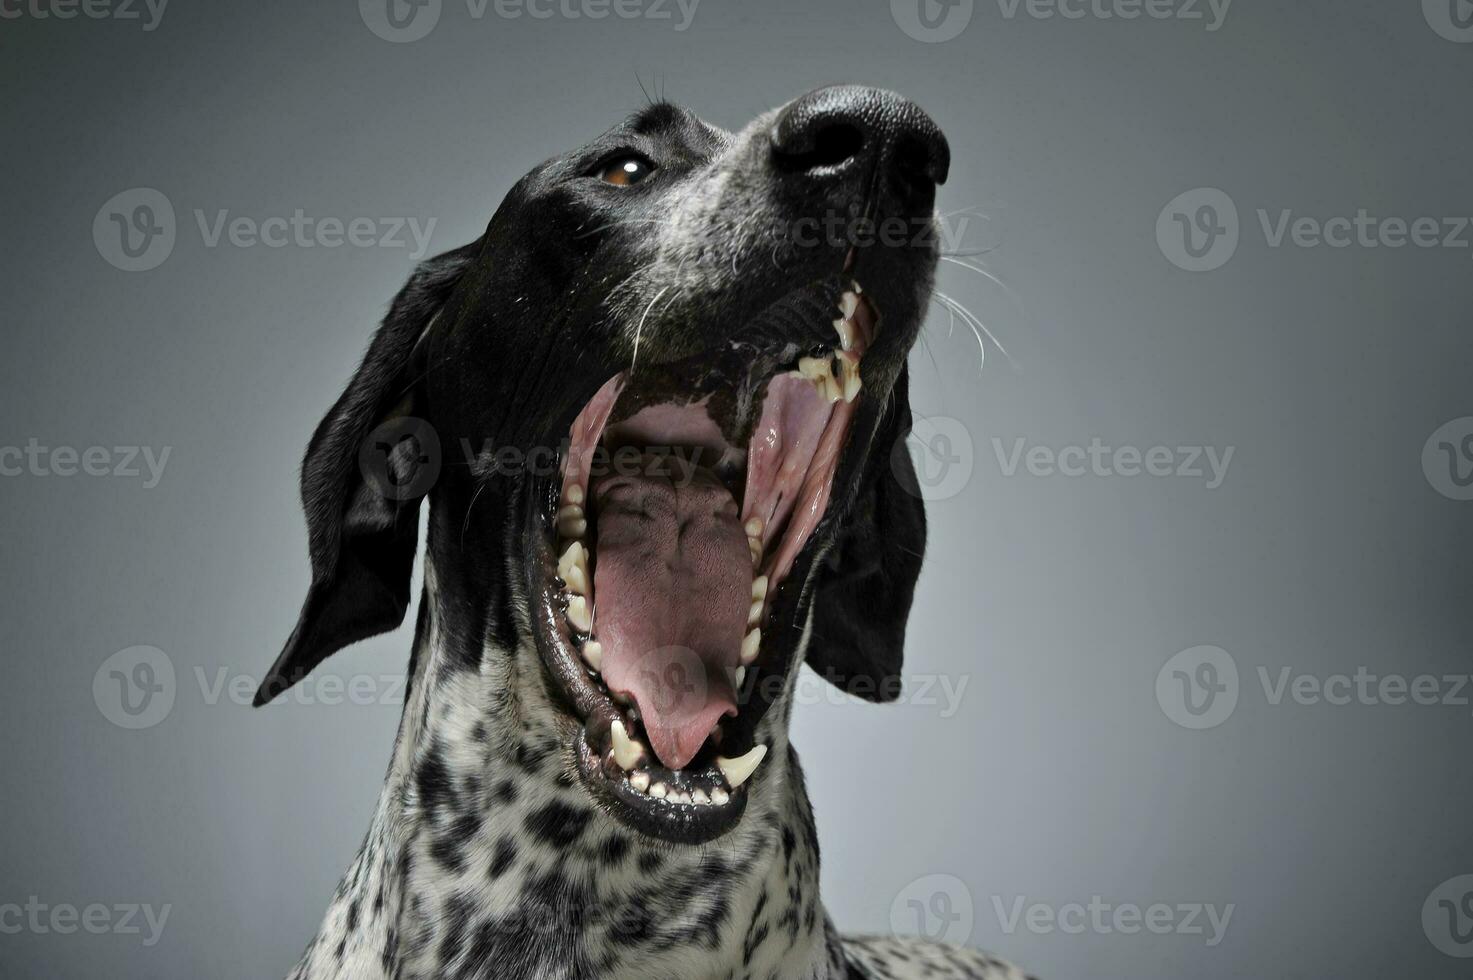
633, 361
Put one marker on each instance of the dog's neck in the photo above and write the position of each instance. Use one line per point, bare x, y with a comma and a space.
486, 857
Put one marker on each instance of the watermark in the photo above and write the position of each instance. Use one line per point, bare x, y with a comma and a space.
936, 907
1207, 463
136, 230
124, 462
403, 21
1447, 459
1211, 13
135, 688
64, 919
1451, 19
935, 459
1198, 230
1104, 918
932, 21
148, 13
403, 458
1447, 917
1199, 688
322, 689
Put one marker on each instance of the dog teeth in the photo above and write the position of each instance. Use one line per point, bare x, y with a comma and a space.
639, 781
720, 797
680, 796
755, 547
574, 495
851, 383
759, 587
579, 614
741, 675
593, 655
572, 568
845, 330
659, 791
699, 797
750, 644
627, 751
848, 303
753, 527
739, 769
754, 613
571, 521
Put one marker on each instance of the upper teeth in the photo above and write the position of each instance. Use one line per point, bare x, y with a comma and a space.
836, 375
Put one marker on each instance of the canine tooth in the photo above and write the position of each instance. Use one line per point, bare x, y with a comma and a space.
579, 614
848, 303
626, 750
699, 797
754, 527
741, 675
759, 587
720, 797
737, 770
845, 330
659, 791
593, 654
750, 645
854, 285
640, 781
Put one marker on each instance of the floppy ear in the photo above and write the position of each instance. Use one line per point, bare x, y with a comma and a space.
368, 466
863, 593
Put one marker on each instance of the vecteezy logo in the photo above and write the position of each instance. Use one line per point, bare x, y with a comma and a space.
673, 680
938, 451
1198, 688
1451, 19
401, 459
1198, 229
936, 907
932, 21
134, 230
1447, 917
1447, 459
400, 21
134, 688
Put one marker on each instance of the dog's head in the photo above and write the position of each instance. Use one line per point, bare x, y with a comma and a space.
653, 409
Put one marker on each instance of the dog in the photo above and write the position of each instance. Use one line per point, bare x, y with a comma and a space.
657, 410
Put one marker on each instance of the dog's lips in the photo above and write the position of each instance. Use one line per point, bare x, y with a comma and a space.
666, 570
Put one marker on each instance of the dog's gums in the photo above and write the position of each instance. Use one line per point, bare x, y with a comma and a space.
688, 490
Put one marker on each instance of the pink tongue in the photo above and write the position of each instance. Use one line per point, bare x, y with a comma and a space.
672, 586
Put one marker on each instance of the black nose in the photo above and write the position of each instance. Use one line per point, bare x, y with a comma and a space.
831, 130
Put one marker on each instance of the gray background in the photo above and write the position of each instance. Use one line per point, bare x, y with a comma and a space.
1058, 776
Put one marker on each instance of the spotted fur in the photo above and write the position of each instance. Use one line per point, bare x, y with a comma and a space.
486, 858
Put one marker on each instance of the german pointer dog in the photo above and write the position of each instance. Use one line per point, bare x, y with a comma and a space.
653, 409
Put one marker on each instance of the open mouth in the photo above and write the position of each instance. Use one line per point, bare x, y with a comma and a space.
689, 490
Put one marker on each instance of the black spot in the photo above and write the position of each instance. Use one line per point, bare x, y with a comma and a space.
557, 824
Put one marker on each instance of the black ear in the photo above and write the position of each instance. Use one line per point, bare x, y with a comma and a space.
368, 466
862, 598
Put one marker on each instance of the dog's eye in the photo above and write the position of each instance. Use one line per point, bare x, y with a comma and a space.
625, 171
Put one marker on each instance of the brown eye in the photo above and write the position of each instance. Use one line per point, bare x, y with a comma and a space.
625, 171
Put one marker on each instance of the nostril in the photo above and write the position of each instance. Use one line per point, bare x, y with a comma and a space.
827, 144
915, 161
835, 143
